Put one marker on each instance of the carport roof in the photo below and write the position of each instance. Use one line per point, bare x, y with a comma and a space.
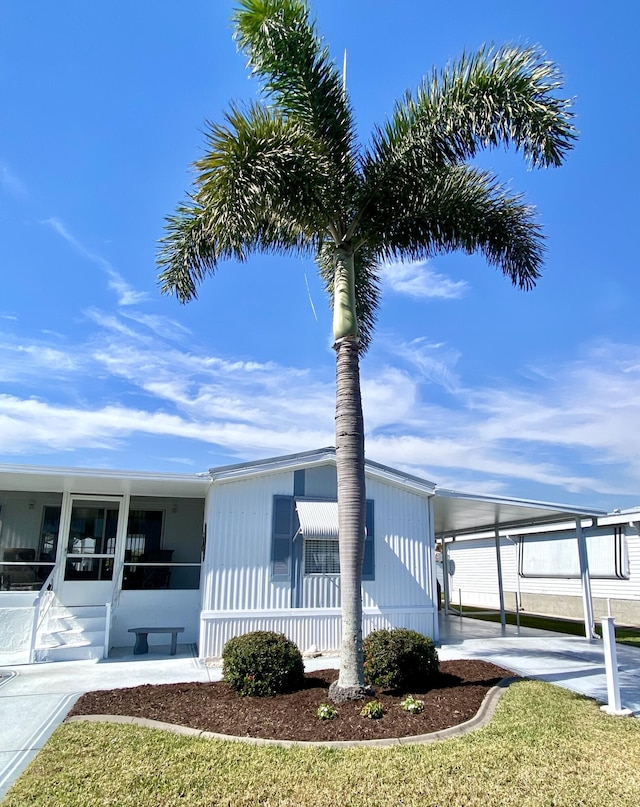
457, 514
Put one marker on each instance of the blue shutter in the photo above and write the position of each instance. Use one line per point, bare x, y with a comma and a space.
281, 538
368, 564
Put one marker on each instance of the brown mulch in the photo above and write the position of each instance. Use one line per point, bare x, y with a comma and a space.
454, 697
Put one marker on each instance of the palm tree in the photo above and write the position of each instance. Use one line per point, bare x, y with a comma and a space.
287, 174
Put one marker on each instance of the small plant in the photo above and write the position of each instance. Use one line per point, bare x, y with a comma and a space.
262, 663
372, 710
399, 659
326, 711
413, 705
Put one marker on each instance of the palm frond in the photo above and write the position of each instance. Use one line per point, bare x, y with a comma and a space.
457, 208
495, 97
286, 53
260, 186
260, 171
186, 255
367, 286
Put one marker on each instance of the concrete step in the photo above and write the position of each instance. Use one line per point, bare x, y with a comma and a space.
71, 638
70, 653
76, 611
85, 623
72, 633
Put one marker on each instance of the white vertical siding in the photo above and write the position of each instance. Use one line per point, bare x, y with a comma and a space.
239, 595
403, 548
306, 627
476, 575
239, 521
238, 571
321, 591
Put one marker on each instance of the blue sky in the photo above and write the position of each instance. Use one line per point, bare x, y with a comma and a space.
470, 383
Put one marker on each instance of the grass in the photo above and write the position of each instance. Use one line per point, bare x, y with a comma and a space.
624, 635
544, 746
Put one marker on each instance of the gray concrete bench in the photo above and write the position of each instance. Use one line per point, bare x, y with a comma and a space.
142, 646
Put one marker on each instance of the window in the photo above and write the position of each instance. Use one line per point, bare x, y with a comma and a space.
49, 532
144, 532
304, 535
556, 555
321, 556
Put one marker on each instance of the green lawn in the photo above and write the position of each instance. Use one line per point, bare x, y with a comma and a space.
624, 635
545, 746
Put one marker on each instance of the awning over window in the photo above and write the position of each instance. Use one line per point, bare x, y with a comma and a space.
318, 519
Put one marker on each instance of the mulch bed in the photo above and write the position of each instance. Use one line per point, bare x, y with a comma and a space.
454, 697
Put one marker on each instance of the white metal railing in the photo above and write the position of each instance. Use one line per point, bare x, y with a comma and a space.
476, 610
41, 607
107, 629
117, 584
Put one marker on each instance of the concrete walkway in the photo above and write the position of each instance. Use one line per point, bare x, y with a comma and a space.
34, 699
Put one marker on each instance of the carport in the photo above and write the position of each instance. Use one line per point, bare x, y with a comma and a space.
468, 517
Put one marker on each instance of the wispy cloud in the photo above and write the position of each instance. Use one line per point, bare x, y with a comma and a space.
125, 293
11, 183
35, 425
569, 428
434, 361
417, 279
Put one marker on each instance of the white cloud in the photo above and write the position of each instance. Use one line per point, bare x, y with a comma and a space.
33, 425
24, 362
125, 293
434, 361
417, 279
567, 428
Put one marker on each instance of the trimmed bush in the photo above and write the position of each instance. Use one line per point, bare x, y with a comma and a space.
399, 659
262, 663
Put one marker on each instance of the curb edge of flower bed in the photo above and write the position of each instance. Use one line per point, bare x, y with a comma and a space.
480, 719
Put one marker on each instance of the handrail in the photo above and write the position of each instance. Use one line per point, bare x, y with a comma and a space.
118, 567
42, 604
107, 629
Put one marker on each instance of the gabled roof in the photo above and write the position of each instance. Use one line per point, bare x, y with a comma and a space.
311, 459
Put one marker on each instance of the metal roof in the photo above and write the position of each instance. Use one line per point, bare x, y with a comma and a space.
321, 456
42, 479
455, 513
458, 513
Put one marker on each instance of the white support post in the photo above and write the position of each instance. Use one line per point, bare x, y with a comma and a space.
433, 570
614, 705
503, 619
587, 601
445, 576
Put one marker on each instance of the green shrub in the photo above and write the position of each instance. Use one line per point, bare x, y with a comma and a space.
373, 710
412, 705
399, 659
326, 711
262, 663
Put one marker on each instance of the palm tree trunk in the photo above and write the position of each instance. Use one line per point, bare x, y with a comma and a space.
351, 508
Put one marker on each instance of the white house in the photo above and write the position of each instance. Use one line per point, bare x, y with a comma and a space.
539, 570
86, 556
